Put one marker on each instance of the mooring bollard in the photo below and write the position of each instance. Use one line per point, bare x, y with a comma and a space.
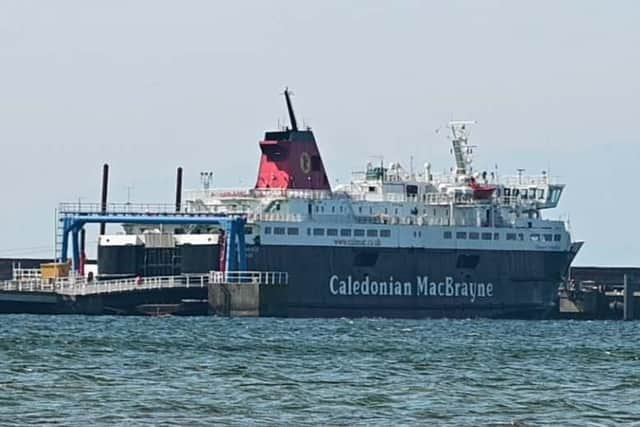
629, 299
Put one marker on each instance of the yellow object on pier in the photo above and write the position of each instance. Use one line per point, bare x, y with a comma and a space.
54, 270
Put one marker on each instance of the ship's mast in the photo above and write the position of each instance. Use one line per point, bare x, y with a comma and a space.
461, 149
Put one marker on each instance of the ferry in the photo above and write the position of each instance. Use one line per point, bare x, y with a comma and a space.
391, 243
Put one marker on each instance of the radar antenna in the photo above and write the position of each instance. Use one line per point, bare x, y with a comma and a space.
292, 116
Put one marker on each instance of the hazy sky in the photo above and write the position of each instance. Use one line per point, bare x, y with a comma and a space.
150, 85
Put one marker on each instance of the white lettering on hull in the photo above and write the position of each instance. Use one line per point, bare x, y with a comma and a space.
447, 288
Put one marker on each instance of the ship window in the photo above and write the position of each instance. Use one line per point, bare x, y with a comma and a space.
360, 209
278, 230
308, 232
548, 237
340, 208
557, 237
396, 211
318, 231
267, 230
345, 232
541, 194
317, 208
332, 231
370, 210
447, 234
486, 236
520, 236
385, 233
474, 235
372, 189
496, 236
333, 209
461, 235
292, 231
248, 230
412, 190
358, 233
372, 233
535, 237
511, 236
386, 211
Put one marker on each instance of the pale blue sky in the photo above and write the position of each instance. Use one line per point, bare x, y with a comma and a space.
150, 85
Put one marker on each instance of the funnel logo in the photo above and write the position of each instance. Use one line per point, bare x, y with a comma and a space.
305, 162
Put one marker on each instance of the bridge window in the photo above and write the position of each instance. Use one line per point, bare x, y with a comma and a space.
385, 233
447, 234
548, 237
358, 233
496, 236
511, 236
318, 231
278, 230
332, 231
345, 232
267, 230
486, 236
557, 237
292, 231
461, 235
521, 237
372, 233
474, 235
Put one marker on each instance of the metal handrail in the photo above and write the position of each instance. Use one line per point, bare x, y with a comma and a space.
74, 286
256, 277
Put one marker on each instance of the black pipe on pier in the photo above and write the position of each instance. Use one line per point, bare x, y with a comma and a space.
103, 200
179, 189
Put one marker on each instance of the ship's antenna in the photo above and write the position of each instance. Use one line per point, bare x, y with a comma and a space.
292, 116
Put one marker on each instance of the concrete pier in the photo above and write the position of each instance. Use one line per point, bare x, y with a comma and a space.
248, 294
601, 293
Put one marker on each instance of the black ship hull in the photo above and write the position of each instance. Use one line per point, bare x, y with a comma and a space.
388, 282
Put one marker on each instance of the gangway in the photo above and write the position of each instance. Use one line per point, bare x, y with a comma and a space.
73, 217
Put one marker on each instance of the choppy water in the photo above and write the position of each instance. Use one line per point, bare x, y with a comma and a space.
75, 370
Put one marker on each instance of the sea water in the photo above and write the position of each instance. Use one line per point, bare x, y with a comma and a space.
94, 371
